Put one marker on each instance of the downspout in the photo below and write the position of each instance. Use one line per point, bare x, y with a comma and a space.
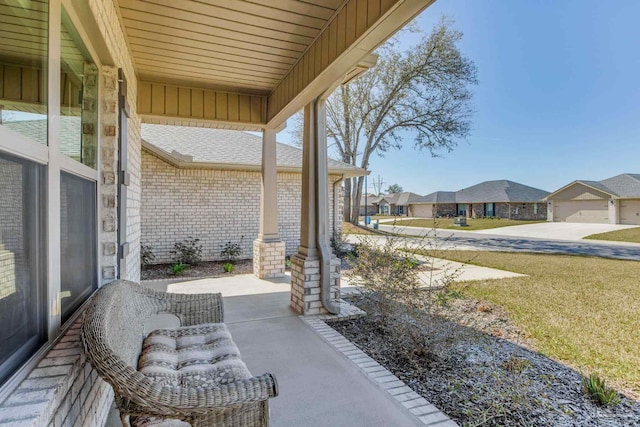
336, 203
322, 218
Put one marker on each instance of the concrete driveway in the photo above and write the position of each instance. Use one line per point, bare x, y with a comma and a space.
554, 230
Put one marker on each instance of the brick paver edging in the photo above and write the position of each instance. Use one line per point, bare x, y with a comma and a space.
418, 406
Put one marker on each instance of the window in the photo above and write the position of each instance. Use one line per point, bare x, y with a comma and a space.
461, 209
78, 98
535, 208
23, 70
490, 209
77, 241
22, 262
400, 210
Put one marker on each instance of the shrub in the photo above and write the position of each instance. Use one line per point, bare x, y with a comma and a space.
228, 267
232, 250
599, 391
178, 268
146, 255
287, 262
404, 303
187, 252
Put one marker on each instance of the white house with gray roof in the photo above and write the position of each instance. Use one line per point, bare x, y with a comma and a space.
614, 200
205, 183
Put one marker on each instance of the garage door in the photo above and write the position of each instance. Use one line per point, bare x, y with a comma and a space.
591, 211
422, 211
630, 212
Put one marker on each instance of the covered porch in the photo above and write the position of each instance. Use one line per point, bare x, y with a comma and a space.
319, 374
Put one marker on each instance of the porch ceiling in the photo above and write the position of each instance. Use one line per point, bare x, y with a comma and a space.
249, 64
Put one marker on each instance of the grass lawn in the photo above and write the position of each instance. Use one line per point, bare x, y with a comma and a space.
348, 228
472, 224
627, 235
580, 310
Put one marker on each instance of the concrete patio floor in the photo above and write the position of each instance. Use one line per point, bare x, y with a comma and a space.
318, 385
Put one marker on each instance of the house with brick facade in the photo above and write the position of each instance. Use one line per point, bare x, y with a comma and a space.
71, 203
489, 199
205, 183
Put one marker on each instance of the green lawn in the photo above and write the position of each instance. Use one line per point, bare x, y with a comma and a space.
580, 310
472, 224
627, 235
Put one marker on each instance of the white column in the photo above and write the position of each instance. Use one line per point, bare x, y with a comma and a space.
268, 249
269, 189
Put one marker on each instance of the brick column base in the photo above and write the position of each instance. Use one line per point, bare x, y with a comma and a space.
268, 259
305, 284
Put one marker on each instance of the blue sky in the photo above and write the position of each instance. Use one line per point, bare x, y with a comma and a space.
558, 96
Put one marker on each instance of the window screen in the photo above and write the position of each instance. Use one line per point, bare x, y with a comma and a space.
77, 241
22, 261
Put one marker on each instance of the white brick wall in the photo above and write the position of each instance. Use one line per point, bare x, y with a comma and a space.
214, 205
63, 390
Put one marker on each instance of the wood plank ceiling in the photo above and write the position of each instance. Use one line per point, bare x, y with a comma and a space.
239, 46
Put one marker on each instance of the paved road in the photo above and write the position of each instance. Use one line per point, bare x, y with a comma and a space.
469, 241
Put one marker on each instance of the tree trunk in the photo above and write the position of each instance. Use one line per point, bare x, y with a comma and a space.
357, 196
346, 214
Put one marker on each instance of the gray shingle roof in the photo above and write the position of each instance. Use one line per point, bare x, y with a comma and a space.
439, 197
401, 199
626, 185
500, 191
219, 146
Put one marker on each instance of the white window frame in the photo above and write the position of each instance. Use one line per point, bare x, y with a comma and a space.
49, 155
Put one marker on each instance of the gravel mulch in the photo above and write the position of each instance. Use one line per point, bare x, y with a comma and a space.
485, 373
203, 269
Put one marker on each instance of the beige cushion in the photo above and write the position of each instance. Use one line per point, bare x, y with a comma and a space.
192, 356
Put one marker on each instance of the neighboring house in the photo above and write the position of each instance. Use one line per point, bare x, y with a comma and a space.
435, 205
205, 183
368, 204
614, 200
396, 203
492, 199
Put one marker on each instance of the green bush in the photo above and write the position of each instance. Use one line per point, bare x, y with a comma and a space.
178, 268
232, 250
187, 252
599, 391
228, 267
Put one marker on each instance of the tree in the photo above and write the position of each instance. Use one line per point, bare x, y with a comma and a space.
394, 188
423, 90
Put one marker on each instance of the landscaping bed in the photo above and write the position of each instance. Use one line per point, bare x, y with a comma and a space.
482, 372
509, 352
202, 269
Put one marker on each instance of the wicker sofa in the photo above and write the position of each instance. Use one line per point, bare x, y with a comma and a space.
192, 373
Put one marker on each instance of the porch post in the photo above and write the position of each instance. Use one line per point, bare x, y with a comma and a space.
268, 249
314, 262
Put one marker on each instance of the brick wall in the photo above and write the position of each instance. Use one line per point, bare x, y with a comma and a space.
445, 210
63, 390
522, 211
216, 206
